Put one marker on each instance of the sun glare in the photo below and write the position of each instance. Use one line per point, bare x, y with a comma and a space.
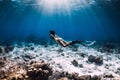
60, 6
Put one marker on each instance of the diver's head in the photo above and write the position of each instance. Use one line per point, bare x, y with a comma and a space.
52, 32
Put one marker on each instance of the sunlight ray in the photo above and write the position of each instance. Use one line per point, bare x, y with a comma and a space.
61, 6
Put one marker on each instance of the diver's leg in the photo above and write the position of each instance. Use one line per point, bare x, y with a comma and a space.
63, 43
79, 42
70, 43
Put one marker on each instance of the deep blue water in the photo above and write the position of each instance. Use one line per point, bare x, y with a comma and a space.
98, 20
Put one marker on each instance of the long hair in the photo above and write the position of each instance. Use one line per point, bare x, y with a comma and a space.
52, 32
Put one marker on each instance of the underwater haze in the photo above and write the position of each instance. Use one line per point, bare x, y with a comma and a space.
28, 53
71, 19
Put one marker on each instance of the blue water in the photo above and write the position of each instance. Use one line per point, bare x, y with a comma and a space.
85, 20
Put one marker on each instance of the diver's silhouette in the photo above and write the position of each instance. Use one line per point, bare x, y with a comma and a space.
61, 41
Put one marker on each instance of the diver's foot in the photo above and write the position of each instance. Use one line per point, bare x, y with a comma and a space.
92, 43
76, 41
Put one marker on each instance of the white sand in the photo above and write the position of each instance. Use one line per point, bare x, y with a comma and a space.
59, 62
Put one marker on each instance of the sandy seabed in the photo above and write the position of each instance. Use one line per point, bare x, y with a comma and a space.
53, 62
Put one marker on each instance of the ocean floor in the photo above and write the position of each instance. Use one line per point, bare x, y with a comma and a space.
94, 60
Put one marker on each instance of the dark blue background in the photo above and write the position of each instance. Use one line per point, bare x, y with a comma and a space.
100, 21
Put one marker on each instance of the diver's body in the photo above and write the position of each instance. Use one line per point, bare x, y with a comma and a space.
61, 41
